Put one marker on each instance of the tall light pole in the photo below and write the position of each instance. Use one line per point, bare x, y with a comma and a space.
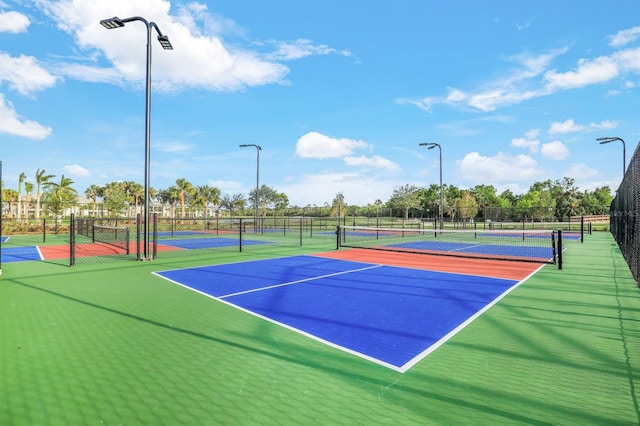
610, 139
257, 200
431, 145
110, 24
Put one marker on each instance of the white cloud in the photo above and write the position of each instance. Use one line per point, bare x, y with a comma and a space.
570, 126
567, 126
511, 89
555, 150
375, 161
317, 145
356, 188
13, 22
301, 48
24, 74
500, 168
624, 37
531, 145
588, 72
581, 171
526, 25
12, 124
424, 104
200, 59
532, 78
606, 124
529, 142
628, 60
77, 170
228, 187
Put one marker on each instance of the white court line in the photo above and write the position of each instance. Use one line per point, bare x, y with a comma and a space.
299, 281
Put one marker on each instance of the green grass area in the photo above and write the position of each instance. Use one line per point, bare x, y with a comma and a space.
115, 344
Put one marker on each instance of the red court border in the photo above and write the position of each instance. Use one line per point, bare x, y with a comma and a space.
482, 267
94, 249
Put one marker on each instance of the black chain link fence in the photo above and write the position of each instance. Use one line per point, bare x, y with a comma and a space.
624, 224
97, 240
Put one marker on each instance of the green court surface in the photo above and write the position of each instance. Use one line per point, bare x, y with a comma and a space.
115, 344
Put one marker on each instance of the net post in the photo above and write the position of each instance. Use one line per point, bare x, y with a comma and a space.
560, 249
240, 226
72, 241
582, 229
44, 230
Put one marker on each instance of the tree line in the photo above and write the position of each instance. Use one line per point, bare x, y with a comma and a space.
544, 200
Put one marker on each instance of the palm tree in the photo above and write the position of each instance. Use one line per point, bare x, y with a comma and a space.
206, 194
134, 194
28, 187
41, 179
185, 189
92, 193
61, 195
21, 180
137, 192
169, 196
11, 196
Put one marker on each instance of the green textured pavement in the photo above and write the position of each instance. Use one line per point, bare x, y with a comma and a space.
114, 344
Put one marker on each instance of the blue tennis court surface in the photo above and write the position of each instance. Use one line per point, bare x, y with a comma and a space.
201, 243
19, 254
390, 315
529, 252
180, 233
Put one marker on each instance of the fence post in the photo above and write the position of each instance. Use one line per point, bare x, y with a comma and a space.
155, 236
138, 236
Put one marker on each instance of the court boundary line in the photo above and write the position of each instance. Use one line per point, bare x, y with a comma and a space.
281, 324
465, 323
400, 369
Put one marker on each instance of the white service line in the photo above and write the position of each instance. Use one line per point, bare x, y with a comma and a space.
299, 281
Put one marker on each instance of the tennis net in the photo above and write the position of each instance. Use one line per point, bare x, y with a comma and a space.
540, 246
116, 236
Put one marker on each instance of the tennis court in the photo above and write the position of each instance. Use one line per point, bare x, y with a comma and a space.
390, 315
119, 343
21, 254
61, 251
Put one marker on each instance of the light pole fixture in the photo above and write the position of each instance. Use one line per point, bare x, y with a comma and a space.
257, 198
116, 22
610, 139
431, 145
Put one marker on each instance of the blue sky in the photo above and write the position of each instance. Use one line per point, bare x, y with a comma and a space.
339, 93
